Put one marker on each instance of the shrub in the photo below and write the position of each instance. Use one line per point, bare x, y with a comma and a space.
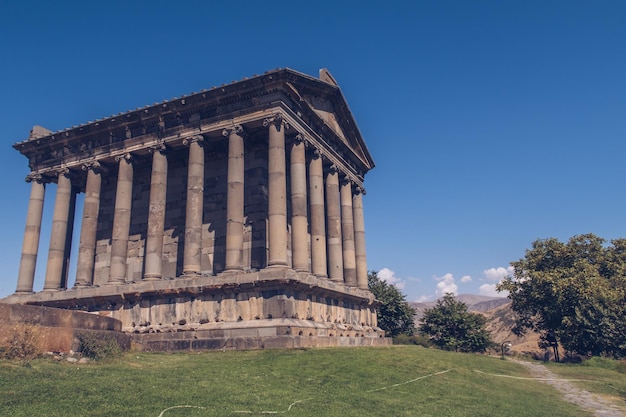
23, 345
405, 339
99, 346
606, 363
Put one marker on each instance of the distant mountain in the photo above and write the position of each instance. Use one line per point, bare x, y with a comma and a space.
474, 303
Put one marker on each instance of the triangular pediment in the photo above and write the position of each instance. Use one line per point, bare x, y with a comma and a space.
324, 99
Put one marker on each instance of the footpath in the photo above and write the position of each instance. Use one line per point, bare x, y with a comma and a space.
584, 399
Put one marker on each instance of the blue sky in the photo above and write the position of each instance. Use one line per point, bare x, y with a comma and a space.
492, 123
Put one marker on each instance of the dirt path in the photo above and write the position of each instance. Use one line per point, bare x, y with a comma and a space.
584, 399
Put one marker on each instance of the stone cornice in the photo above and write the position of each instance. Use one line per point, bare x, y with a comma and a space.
207, 111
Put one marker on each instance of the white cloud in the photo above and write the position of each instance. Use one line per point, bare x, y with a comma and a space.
389, 277
490, 291
496, 274
465, 279
445, 285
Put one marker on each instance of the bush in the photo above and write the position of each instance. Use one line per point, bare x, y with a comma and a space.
606, 363
99, 346
24, 344
405, 339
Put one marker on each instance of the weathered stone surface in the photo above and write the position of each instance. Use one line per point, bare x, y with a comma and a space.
56, 330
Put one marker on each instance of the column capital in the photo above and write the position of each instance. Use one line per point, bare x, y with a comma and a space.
159, 147
359, 190
127, 156
34, 177
95, 166
199, 139
234, 130
299, 138
346, 180
333, 169
316, 153
277, 120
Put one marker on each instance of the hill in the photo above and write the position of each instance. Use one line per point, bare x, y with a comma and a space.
346, 382
500, 320
476, 303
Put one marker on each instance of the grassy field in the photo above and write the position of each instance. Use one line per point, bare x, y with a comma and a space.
389, 381
601, 376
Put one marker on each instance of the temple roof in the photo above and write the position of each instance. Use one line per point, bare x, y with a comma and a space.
319, 99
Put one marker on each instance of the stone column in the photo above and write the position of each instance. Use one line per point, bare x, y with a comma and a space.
156, 214
299, 241
347, 234
359, 238
277, 193
234, 199
318, 221
333, 225
121, 219
57, 253
192, 254
91, 207
28, 261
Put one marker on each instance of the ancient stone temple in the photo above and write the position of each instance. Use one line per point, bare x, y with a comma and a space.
232, 217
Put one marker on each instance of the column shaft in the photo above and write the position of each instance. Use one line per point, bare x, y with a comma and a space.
277, 195
318, 220
32, 232
347, 233
299, 241
333, 226
58, 236
192, 255
235, 200
121, 220
359, 240
89, 225
156, 215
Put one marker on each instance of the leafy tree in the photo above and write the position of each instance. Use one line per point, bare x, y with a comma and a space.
450, 326
395, 315
572, 293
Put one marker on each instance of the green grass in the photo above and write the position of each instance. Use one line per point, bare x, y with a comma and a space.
313, 382
605, 377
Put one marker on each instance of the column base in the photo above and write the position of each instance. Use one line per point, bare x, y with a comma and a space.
152, 278
279, 265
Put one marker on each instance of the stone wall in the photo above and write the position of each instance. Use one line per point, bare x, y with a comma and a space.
56, 329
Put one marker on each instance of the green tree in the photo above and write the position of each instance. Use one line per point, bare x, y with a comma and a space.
395, 315
573, 294
450, 326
